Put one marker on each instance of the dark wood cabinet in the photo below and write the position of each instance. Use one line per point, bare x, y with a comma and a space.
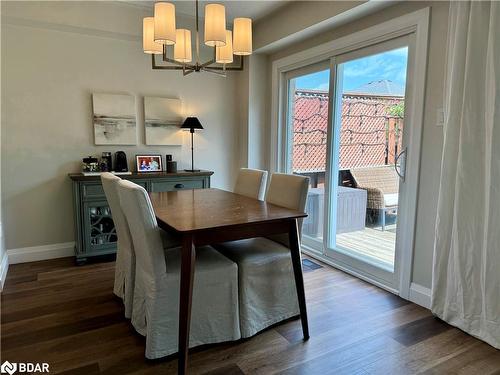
94, 229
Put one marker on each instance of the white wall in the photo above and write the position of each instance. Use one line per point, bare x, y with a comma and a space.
254, 106
54, 56
258, 106
432, 135
4, 261
242, 93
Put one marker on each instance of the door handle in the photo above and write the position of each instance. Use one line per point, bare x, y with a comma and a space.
401, 171
179, 186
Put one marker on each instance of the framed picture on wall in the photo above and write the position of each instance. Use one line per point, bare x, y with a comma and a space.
163, 119
114, 119
148, 163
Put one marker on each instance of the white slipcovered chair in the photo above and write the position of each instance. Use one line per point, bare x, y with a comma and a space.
125, 259
155, 314
267, 293
251, 183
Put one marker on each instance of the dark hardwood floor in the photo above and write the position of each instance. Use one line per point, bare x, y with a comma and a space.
55, 312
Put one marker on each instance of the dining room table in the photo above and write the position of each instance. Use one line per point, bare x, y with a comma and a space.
211, 216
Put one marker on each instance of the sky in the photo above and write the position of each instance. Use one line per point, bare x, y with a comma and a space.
390, 65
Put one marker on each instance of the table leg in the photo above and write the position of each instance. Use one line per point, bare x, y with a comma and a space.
186, 293
294, 242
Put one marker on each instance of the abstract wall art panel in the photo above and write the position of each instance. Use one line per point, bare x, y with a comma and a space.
163, 118
114, 119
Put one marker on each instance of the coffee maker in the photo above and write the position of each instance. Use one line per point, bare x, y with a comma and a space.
121, 164
171, 165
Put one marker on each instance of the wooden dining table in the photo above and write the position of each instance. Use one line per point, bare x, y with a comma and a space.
210, 216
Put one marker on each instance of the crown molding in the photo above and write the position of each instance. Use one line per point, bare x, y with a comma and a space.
148, 6
144, 5
23, 22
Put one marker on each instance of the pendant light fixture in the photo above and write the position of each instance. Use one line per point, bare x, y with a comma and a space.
148, 43
160, 31
215, 25
164, 17
224, 54
182, 47
242, 36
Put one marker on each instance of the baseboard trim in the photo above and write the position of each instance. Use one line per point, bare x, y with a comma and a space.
4, 267
36, 253
420, 295
4, 259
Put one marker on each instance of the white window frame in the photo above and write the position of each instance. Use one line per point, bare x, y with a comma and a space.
416, 23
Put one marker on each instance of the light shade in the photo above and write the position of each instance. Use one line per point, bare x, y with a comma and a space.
191, 123
242, 32
148, 43
182, 47
224, 55
215, 25
165, 23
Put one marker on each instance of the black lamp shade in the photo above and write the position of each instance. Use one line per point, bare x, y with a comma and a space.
191, 123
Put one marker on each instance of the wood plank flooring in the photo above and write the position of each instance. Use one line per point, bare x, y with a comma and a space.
55, 312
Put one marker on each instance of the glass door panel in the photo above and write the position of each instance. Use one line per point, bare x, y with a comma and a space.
369, 124
307, 124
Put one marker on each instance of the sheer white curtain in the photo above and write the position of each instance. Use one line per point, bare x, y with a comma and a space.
466, 269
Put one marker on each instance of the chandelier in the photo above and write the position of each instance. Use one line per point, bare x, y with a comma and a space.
160, 31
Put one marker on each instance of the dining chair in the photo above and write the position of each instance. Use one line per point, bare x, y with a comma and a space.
267, 292
125, 259
251, 183
215, 315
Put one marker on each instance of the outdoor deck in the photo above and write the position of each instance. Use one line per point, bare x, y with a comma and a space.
356, 236
371, 242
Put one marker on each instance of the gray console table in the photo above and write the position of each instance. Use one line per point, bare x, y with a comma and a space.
94, 228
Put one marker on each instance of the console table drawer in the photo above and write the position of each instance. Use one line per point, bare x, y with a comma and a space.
95, 190
161, 186
92, 191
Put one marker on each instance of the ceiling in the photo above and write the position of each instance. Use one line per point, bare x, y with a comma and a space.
253, 9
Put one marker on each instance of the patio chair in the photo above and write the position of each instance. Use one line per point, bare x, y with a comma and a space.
382, 186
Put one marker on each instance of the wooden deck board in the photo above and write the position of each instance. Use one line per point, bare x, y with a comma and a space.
370, 242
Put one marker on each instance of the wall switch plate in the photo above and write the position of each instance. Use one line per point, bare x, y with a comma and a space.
440, 117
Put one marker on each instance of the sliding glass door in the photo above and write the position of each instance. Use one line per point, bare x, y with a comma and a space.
367, 158
345, 131
306, 141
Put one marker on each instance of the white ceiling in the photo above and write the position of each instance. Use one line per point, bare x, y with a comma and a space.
254, 9
251, 9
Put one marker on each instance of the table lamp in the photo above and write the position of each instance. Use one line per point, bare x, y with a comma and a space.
192, 123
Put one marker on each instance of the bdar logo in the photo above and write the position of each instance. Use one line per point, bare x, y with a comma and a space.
8, 368
11, 368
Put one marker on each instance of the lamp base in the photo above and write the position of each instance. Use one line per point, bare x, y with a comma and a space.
191, 170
